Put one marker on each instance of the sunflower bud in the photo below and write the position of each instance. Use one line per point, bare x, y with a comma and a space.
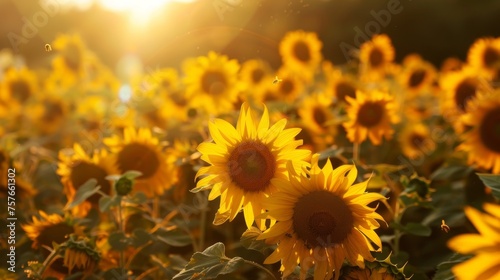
124, 186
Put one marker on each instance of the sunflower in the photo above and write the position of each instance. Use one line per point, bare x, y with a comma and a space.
450, 65
376, 56
78, 167
317, 116
484, 55
161, 83
322, 219
245, 161
69, 64
301, 52
288, 89
48, 113
485, 244
212, 82
256, 74
372, 116
339, 85
17, 87
420, 107
482, 142
369, 274
80, 254
415, 141
49, 228
417, 75
141, 151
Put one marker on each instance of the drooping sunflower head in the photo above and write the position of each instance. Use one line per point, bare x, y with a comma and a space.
80, 254
484, 55
376, 55
212, 81
485, 245
49, 228
416, 141
370, 116
301, 51
77, 167
482, 142
244, 162
417, 74
322, 220
141, 151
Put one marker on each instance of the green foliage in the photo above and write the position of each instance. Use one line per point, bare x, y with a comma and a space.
492, 182
85, 191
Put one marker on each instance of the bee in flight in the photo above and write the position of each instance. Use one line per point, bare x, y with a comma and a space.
277, 80
48, 48
444, 226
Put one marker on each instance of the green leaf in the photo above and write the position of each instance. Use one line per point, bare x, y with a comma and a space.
175, 237
492, 182
209, 264
450, 173
249, 240
84, 191
141, 237
118, 241
106, 202
132, 174
418, 229
444, 268
138, 198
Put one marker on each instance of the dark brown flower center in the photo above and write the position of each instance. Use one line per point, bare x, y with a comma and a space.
376, 58
82, 171
257, 75
179, 99
416, 78
321, 218
213, 82
287, 86
464, 92
20, 90
57, 233
491, 57
344, 89
53, 111
489, 130
417, 140
319, 116
301, 51
73, 57
251, 166
139, 157
370, 114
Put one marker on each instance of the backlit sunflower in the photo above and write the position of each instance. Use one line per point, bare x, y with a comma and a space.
141, 151
322, 220
482, 142
245, 161
17, 87
69, 64
212, 82
80, 254
288, 89
485, 245
459, 89
417, 74
301, 52
48, 113
256, 74
370, 116
317, 116
416, 141
78, 167
376, 56
484, 55
49, 228
339, 85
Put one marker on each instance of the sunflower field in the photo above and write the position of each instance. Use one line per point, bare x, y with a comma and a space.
218, 166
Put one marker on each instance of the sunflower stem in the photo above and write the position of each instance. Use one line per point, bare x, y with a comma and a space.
355, 152
48, 261
122, 229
